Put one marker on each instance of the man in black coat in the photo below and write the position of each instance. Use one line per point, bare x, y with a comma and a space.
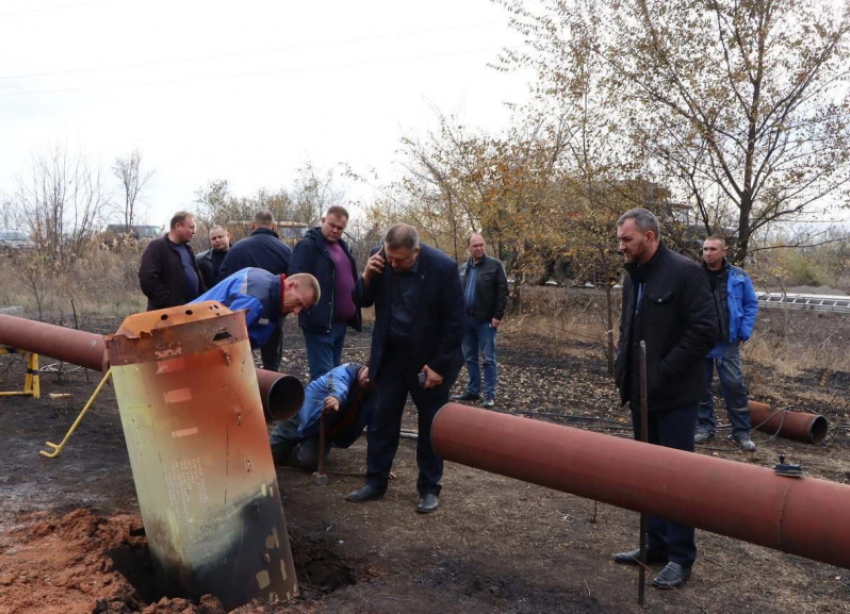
324, 254
416, 349
168, 274
668, 304
262, 249
210, 261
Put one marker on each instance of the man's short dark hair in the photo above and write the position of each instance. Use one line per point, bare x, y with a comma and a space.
402, 236
644, 221
264, 218
337, 210
180, 217
720, 238
219, 226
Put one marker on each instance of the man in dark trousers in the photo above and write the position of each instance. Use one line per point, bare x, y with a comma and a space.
323, 253
262, 249
485, 294
416, 349
737, 307
209, 262
168, 273
667, 303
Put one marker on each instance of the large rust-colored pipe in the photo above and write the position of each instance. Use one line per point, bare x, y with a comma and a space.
282, 395
808, 428
802, 516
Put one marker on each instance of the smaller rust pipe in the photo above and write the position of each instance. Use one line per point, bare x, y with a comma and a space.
808, 428
282, 395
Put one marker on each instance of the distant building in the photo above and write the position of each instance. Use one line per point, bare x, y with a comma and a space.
136, 232
289, 232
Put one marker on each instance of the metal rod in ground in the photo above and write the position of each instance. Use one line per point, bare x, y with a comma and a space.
320, 477
644, 435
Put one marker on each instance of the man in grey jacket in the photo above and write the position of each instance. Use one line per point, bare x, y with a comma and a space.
485, 293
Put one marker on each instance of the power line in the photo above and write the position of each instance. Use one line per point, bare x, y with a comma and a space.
218, 56
52, 8
248, 74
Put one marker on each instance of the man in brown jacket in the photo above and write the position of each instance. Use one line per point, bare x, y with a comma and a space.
168, 273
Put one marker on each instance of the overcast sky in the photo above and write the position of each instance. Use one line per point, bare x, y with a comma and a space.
245, 91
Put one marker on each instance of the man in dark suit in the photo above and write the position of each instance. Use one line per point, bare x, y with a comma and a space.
416, 349
262, 249
666, 303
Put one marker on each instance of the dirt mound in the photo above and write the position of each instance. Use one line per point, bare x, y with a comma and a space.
61, 565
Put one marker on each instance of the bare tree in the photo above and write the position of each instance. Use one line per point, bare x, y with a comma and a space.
128, 171
61, 202
314, 192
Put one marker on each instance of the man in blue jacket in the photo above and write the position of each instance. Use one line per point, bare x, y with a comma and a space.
737, 308
345, 396
416, 350
266, 299
262, 249
323, 253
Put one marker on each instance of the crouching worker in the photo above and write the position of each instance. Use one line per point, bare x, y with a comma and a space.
265, 297
346, 397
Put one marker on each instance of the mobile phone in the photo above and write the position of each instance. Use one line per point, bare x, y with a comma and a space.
423, 377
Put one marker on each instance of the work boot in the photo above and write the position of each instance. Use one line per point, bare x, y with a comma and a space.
488, 403
631, 557
466, 396
744, 442
672, 576
703, 437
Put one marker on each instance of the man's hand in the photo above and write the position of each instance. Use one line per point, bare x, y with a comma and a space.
494, 323
433, 379
374, 266
331, 405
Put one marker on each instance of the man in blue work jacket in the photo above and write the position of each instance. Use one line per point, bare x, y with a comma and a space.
266, 299
737, 308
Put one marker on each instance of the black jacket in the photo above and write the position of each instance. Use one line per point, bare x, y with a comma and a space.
262, 249
161, 275
678, 321
206, 266
311, 255
437, 329
491, 288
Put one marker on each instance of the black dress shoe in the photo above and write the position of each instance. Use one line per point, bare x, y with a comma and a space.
428, 504
672, 576
367, 493
466, 396
631, 557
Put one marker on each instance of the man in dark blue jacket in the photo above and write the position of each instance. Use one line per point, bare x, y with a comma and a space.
416, 349
737, 308
324, 254
263, 250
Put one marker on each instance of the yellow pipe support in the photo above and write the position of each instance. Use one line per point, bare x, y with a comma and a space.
57, 448
32, 383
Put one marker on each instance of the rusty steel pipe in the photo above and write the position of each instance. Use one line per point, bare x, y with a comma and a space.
282, 395
802, 516
808, 428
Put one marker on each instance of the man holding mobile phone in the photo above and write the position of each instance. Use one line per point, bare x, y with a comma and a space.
416, 350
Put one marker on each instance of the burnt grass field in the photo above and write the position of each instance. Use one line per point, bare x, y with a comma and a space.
70, 538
